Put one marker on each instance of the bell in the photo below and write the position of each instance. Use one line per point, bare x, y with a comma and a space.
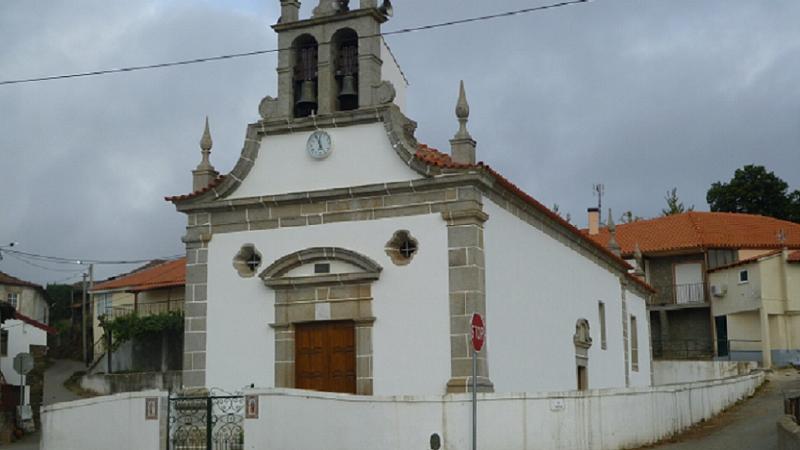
348, 88
308, 98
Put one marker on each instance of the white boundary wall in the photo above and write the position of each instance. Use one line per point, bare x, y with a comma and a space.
603, 419
671, 372
295, 419
114, 422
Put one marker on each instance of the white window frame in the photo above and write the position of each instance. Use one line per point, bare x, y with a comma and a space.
746, 274
15, 302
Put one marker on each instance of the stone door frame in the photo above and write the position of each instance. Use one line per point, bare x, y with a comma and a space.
320, 298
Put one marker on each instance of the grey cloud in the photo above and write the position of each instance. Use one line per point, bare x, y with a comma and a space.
640, 95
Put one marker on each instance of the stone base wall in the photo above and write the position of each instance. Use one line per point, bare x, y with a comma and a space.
788, 434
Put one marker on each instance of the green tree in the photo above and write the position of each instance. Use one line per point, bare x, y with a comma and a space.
60, 299
754, 190
674, 205
629, 217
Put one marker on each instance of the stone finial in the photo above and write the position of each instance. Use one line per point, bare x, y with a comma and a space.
205, 173
613, 245
462, 145
638, 269
290, 11
330, 7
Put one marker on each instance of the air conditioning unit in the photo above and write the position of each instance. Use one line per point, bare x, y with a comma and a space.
718, 290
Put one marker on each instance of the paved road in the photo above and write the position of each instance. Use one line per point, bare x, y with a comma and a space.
750, 425
54, 392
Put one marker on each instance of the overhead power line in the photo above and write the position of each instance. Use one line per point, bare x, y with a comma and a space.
274, 50
83, 261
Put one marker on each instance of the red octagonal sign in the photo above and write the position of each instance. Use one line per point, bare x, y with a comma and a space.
478, 332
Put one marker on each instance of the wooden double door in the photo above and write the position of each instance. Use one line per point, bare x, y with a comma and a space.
325, 356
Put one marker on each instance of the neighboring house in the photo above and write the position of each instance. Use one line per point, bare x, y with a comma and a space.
155, 288
677, 251
25, 297
342, 255
757, 303
24, 325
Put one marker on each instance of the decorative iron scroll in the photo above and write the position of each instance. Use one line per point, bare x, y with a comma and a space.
214, 422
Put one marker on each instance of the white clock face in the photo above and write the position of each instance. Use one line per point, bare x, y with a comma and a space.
319, 145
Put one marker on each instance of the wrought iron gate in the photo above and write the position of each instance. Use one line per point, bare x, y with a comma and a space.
214, 422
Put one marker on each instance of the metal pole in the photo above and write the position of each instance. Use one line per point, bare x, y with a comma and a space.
83, 322
474, 400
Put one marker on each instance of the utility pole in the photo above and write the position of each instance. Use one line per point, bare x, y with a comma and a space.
83, 322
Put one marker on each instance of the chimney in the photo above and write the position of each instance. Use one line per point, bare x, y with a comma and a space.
594, 221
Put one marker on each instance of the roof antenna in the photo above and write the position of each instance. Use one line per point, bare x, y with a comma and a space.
598, 190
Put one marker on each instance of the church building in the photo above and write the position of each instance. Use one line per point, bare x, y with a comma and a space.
340, 254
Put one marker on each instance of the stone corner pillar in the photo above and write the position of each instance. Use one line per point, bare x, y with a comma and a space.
467, 289
195, 302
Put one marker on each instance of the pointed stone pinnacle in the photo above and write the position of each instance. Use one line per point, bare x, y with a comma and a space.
462, 107
462, 145
205, 141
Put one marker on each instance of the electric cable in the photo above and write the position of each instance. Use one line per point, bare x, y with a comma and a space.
274, 50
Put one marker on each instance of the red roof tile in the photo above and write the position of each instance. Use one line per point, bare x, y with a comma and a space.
702, 230
214, 183
7, 279
168, 274
30, 321
436, 158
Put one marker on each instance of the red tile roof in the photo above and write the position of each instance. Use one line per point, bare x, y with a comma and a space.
30, 321
436, 158
702, 230
8, 280
168, 274
214, 183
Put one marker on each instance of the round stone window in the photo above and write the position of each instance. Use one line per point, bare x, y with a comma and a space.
247, 261
402, 247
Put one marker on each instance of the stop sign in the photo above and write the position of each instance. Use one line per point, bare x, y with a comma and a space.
478, 332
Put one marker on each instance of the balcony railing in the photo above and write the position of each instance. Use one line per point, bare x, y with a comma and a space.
146, 309
681, 294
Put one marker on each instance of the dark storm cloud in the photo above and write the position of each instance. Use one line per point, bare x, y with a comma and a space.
640, 95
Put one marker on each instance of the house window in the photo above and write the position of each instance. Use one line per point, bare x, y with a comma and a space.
634, 345
3, 342
744, 276
602, 311
322, 268
13, 299
103, 305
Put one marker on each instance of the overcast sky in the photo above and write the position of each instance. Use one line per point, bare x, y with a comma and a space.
641, 95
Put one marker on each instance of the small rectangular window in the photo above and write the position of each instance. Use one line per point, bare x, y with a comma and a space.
3, 343
602, 311
634, 345
744, 276
13, 299
322, 268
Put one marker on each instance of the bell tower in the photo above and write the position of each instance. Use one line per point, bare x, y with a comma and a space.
331, 62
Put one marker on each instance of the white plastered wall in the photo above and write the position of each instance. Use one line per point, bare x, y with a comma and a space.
638, 308
21, 336
360, 155
536, 290
411, 334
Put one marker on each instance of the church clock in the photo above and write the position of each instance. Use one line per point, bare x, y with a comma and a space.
319, 145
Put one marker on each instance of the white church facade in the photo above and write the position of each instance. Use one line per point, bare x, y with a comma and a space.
342, 255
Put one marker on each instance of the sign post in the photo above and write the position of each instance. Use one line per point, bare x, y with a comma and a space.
478, 337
